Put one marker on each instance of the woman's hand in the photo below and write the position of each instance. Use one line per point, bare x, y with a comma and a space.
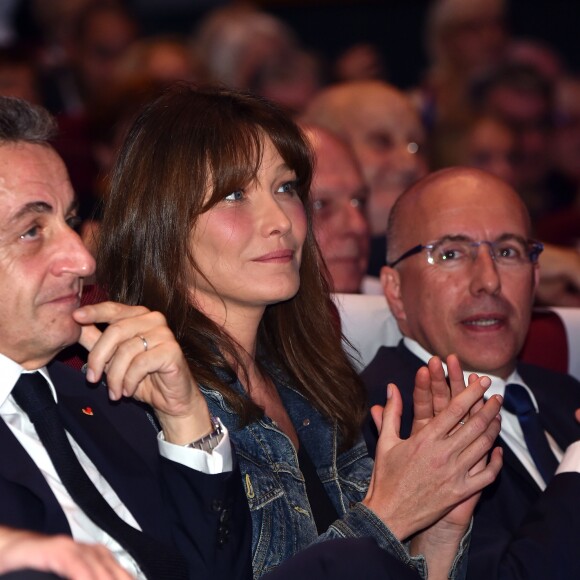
142, 359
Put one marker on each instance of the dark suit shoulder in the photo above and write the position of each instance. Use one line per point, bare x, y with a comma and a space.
536, 375
390, 365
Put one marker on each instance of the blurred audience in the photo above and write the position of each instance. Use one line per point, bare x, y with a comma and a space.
523, 99
161, 58
487, 100
385, 133
563, 226
486, 142
245, 48
537, 55
18, 74
339, 196
465, 40
95, 39
360, 62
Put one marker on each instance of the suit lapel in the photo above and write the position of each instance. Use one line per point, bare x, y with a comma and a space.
17, 467
121, 443
511, 462
558, 396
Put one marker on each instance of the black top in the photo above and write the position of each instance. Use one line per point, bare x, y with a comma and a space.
322, 508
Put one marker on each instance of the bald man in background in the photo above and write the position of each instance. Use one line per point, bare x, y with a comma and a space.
386, 136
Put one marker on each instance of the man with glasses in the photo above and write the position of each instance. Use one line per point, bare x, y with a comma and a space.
461, 276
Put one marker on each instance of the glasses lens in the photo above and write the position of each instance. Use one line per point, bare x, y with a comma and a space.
512, 252
449, 253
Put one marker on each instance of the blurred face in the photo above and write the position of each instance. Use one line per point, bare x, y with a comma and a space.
107, 37
481, 312
491, 146
169, 62
42, 259
566, 151
387, 138
527, 115
18, 81
249, 245
476, 43
339, 195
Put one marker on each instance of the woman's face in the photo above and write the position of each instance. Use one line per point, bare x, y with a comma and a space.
249, 245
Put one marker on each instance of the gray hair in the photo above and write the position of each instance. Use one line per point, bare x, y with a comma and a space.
22, 121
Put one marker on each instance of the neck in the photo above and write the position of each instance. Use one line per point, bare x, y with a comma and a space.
239, 321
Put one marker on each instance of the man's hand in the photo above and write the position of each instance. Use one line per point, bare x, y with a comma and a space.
143, 360
417, 481
60, 555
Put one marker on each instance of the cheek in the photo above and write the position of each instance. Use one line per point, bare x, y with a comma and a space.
324, 226
220, 231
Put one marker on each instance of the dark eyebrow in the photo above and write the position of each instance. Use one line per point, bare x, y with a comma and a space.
36, 207
455, 238
508, 237
40, 207
463, 238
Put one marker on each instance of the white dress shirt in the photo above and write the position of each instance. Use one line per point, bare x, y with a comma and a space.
82, 528
511, 431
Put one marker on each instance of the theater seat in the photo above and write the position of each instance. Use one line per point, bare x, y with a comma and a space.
553, 340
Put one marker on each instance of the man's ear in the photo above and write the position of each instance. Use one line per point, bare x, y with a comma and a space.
391, 283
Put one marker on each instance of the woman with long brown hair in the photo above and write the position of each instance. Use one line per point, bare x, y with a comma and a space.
209, 222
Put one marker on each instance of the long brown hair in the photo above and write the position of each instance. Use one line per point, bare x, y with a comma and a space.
188, 138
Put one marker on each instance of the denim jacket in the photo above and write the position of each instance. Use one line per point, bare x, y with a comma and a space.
282, 521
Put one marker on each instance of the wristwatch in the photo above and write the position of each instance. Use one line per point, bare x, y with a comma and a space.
210, 441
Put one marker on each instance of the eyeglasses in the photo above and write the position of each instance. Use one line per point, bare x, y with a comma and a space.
456, 251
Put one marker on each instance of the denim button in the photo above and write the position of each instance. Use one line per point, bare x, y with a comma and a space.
306, 422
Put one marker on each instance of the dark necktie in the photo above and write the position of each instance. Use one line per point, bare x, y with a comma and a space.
156, 560
518, 401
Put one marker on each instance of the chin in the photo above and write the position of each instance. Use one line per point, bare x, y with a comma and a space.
281, 295
69, 336
491, 365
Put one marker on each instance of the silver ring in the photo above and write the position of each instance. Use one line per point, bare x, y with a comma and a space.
460, 422
145, 344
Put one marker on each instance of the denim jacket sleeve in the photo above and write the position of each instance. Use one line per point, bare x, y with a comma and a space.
359, 521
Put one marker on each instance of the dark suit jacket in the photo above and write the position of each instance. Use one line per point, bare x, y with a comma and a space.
519, 532
205, 516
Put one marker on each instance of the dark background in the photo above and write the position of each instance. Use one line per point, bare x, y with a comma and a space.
395, 26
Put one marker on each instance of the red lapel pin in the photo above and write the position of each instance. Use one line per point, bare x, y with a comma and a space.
87, 411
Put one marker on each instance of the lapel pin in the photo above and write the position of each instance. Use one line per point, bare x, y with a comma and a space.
87, 411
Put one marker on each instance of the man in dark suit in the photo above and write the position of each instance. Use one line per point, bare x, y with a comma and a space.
460, 279
181, 499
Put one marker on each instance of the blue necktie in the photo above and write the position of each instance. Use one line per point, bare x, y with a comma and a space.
157, 561
517, 400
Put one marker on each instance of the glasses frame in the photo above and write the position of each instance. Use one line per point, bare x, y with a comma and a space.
535, 248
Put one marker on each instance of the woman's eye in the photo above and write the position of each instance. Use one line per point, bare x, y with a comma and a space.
288, 187
235, 196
